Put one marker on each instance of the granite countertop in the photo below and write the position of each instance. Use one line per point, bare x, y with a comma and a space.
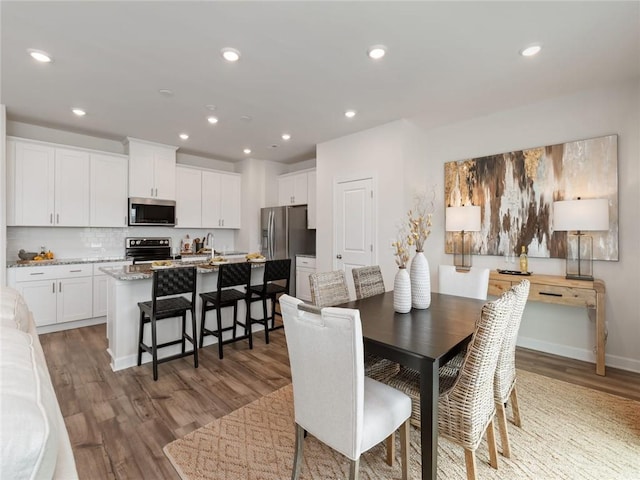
62, 261
144, 270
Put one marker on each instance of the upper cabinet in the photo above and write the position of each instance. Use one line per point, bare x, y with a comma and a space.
152, 170
108, 190
47, 185
207, 199
292, 189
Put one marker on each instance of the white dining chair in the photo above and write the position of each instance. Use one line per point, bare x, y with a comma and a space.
472, 283
333, 400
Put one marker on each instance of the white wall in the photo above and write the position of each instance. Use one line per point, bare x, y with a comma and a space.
400, 162
3, 195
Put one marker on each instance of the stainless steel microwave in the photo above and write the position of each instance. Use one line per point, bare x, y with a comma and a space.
151, 211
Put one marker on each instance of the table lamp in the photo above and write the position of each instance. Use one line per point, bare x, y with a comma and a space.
462, 219
579, 216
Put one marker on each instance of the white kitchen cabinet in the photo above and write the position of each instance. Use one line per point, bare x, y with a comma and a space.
152, 170
221, 200
292, 189
305, 266
108, 190
311, 199
188, 197
56, 294
47, 186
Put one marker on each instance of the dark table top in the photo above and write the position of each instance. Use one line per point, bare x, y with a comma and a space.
433, 333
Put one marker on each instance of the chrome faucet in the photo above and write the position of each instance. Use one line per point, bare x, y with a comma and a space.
209, 241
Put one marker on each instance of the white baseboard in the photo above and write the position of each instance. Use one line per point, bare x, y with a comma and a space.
58, 327
614, 361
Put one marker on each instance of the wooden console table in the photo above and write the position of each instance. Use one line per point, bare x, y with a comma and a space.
558, 290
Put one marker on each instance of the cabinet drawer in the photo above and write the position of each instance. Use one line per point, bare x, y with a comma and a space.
27, 274
576, 297
75, 270
498, 287
307, 262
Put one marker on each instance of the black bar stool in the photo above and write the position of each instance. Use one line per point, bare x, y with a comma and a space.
274, 271
168, 283
229, 275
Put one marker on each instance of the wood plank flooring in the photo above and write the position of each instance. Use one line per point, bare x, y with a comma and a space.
118, 422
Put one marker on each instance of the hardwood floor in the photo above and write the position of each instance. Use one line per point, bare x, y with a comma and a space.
118, 422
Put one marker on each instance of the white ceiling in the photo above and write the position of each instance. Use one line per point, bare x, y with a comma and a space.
303, 64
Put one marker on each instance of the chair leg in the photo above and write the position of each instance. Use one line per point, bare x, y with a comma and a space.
235, 321
202, 323
273, 312
219, 322
354, 471
405, 431
266, 320
154, 349
184, 331
247, 322
194, 337
391, 449
297, 458
493, 450
501, 414
470, 462
140, 337
514, 406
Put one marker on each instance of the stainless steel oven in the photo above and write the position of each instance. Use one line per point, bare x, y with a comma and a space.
147, 249
151, 211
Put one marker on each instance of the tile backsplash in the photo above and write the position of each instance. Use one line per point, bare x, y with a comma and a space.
88, 242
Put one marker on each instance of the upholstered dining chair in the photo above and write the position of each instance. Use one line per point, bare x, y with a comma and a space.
504, 383
328, 288
466, 406
337, 404
368, 282
473, 283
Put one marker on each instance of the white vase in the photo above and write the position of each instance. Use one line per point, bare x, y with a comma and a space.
402, 291
420, 282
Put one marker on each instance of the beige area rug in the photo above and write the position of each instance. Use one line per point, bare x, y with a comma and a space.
569, 432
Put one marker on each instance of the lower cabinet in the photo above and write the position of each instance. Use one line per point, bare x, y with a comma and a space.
56, 294
305, 266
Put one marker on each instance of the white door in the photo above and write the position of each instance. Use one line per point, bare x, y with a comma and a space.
353, 207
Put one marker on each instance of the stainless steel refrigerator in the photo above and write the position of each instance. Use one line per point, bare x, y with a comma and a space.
285, 234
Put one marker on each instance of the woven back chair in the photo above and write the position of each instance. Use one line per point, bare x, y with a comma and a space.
466, 407
368, 281
504, 382
329, 288
336, 403
275, 282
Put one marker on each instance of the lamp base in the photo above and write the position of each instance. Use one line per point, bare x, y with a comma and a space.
579, 277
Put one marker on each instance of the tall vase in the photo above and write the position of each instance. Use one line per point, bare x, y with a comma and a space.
402, 291
420, 282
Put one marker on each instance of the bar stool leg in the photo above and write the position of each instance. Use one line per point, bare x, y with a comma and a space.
266, 320
247, 323
140, 337
194, 336
219, 319
154, 349
202, 319
235, 320
184, 331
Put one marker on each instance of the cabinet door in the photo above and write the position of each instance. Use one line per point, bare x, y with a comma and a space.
188, 198
211, 208
75, 299
33, 171
230, 200
108, 204
311, 200
165, 173
141, 167
72, 188
41, 297
303, 288
100, 283
285, 191
300, 189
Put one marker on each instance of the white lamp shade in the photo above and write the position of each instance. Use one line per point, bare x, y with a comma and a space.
583, 215
460, 219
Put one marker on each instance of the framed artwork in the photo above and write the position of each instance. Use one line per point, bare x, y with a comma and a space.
516, 191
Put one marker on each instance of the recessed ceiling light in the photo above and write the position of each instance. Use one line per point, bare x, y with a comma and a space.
350, 113
286, 136
79, 112
212, 120
165, 92
184, 136
230, 54
530, 51
210, 107
247, 151
377, 51
246, 118
39, 55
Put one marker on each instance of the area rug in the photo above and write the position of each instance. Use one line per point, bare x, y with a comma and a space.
568, 432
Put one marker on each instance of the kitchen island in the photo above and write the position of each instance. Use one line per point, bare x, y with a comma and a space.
131, 284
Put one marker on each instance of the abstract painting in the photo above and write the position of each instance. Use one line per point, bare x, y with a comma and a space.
516, 191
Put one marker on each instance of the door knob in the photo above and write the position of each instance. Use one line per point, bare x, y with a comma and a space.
339, 257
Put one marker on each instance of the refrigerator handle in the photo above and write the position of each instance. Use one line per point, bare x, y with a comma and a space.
271, 234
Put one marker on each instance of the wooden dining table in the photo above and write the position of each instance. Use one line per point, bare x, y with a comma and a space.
422, 340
